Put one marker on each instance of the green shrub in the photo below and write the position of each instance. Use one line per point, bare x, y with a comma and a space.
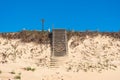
29, 69
32, 69
17, 77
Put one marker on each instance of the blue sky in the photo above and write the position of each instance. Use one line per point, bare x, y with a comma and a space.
79, 15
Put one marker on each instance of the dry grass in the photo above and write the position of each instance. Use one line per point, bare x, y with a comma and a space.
29, 36
92, 34
46, 37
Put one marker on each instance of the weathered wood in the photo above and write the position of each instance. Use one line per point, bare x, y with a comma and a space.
59, 42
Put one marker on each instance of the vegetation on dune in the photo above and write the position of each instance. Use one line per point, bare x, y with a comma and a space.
0, 71
17, 77
45, 37
83, 35
29, 36
13, 72
29, 69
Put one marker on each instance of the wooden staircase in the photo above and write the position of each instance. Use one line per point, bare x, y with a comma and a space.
59, 47
57, 62
59, 42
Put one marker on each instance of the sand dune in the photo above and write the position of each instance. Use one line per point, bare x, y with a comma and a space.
96, 58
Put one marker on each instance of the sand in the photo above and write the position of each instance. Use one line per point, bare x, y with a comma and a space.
95, 58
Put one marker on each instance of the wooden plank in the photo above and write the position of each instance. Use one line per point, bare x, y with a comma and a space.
59, 42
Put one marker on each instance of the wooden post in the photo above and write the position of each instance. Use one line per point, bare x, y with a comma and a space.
43, 24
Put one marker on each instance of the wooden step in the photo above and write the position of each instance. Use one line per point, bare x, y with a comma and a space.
59, 42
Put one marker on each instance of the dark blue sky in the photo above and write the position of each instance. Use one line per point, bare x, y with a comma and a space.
80, 15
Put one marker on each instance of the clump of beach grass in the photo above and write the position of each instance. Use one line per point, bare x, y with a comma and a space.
29, 69
17, 77
12, 72
0, 71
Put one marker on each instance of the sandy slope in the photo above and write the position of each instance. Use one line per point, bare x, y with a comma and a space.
95, 58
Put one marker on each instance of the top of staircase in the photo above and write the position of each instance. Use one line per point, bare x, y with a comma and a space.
59, 40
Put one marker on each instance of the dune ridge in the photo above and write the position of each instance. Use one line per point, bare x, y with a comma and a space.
87, 56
